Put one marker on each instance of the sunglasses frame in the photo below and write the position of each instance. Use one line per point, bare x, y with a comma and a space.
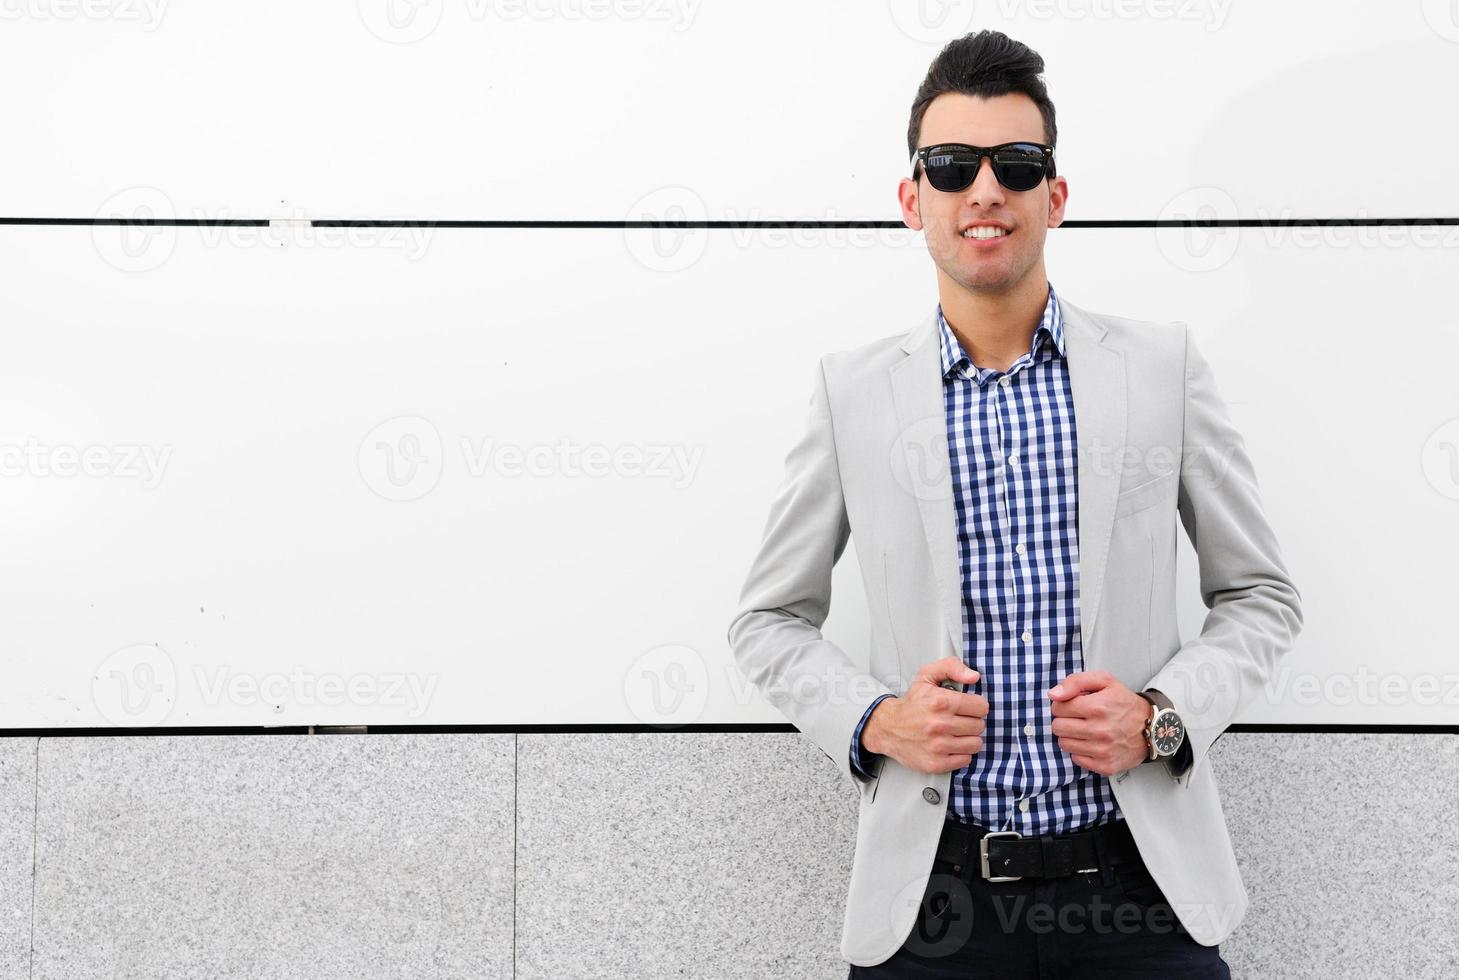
919, 161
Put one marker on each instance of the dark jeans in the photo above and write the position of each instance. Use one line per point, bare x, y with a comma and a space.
1112, 924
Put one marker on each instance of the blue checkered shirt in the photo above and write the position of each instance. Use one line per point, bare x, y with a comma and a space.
1011, 444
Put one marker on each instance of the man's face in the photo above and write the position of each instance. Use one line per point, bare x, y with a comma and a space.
998, 264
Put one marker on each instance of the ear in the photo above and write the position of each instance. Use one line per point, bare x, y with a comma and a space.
1058, 199
911, 203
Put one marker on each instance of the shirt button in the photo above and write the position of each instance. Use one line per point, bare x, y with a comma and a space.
1023, 805
1013, 460
1027, 636
1005, 381
1028, 729
1019, 548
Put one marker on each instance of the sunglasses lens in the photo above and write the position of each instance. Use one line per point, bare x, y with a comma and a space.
951, 170
1019, 170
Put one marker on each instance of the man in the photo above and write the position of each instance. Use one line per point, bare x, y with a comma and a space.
1030, 742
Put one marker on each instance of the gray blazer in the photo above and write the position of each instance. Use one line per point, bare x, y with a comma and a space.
1154, 439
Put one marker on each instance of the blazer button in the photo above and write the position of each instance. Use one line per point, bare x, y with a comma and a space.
931, 795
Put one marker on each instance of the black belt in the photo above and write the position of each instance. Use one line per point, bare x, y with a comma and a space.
1006, 855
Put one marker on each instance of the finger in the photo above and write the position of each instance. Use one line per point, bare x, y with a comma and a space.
1078, 746
1074, 728
1079, 706
961, 725
1081, 682
948, 668
960, 744
971, 705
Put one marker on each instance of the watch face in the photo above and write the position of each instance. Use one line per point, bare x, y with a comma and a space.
1168, 732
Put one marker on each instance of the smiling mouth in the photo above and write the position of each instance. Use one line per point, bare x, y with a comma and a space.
984, 233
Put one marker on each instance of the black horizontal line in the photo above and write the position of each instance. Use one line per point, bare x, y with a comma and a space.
768, 224
164, 222
811, 223
723, 729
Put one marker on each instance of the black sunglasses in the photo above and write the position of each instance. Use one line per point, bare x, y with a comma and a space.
1019, 166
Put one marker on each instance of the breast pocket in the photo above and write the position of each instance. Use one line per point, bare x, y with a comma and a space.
1130, 572
1146, 495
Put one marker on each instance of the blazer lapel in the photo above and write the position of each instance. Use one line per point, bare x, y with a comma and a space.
1096, 377
922, 442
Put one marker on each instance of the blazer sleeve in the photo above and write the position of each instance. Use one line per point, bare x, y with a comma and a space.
775, 633
1254, 608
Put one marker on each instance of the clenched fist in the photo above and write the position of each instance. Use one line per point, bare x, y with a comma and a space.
930, 729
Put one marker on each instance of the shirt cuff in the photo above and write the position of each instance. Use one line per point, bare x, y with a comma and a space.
859, 756
1181, 761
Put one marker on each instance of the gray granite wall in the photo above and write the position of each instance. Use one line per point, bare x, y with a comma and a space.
560, 856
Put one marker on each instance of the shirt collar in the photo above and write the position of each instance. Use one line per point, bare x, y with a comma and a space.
1051, 325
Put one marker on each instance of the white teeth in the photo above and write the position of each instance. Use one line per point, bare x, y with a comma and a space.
984, 231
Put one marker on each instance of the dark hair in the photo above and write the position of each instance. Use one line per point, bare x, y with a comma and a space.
987, 64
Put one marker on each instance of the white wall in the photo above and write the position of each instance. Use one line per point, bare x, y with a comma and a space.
271, 374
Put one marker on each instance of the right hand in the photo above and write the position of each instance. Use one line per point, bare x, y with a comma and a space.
930, 729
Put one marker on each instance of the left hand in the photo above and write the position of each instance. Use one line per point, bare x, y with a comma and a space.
1100, 722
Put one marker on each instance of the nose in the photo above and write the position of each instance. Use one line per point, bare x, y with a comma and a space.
984, 191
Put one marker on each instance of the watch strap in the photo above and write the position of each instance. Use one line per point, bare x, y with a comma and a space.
1160, 702
1150, 754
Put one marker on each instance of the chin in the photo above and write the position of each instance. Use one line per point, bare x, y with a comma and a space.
985, 277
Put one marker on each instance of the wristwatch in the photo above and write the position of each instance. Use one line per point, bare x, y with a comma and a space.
1164, 731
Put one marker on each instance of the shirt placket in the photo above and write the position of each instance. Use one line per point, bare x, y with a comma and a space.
1012, 549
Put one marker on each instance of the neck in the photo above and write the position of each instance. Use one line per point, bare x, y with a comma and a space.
995, 328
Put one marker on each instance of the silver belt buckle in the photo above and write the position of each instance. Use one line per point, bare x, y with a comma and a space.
983, 853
